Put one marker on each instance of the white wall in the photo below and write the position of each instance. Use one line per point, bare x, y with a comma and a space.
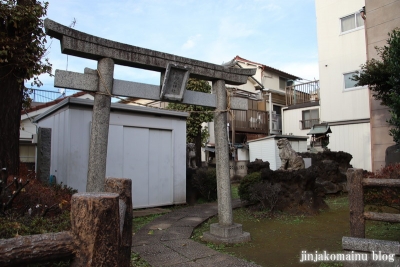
266, 150
340, 53
291, 122
354, 139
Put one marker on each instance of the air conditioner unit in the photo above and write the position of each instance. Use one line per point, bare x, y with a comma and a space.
273, 113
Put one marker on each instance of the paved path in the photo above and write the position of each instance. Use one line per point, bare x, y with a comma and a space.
169, 243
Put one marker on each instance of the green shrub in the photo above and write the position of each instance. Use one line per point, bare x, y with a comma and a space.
205, 181
246, 183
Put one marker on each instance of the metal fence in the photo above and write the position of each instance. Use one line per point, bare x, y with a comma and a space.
302, 93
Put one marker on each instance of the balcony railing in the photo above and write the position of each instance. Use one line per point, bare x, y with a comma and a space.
251, 121
302, 93
307, 124
44, 96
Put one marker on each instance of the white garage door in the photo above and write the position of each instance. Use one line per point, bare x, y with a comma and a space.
145, 156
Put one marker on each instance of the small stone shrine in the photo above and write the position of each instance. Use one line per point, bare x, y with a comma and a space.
319, 137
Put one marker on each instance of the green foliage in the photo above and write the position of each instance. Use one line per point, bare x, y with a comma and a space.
136, 261
383, 78
246, 183
205, 181
198, 114
22, 39
235, 191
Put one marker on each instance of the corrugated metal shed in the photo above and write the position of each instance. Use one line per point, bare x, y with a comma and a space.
146, 145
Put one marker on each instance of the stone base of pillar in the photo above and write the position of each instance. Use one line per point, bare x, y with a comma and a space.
227, 234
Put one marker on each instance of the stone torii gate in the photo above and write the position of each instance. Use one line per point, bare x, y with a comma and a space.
174, 71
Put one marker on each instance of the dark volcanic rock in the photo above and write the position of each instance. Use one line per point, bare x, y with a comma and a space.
257, 166
342, 158
299, 192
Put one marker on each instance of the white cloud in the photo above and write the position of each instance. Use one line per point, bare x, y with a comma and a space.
305, 70
191, 42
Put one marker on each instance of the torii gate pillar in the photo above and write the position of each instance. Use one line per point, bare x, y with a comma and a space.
100, 125
225, 231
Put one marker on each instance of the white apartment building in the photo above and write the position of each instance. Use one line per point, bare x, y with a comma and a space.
341, 51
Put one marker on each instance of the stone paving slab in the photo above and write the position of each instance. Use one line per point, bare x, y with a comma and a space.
172, 246
190, 249
189, 264
170, 258
177, 232
192, 221
224, 260
144, 238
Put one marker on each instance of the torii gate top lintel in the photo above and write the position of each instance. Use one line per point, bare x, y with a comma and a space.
84, 45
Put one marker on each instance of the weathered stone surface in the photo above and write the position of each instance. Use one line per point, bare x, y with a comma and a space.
342, 158
257, 165
190, 249
226, 234
123, 187
99, 130
44, 154
290, 161
364, 244
331, 170
298, 192
75, 80
89, 81
225, 216
175, 81
356, 203
95, 229
191, 155
374, 250
392, 155
80, 44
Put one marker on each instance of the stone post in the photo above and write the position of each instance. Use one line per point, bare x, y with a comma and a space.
356, 205
225, 231
222, 155
43, 154
95, 229
123, 187
99, 130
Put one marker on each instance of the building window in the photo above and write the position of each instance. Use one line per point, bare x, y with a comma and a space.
282, 83
351, 22
310, 117
348, 82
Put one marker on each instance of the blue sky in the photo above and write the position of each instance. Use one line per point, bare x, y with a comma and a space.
277, 33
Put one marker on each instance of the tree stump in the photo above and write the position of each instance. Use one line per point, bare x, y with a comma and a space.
95, 229
123, 187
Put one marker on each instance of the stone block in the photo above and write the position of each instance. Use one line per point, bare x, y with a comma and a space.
226, 231
380, 253
44, 154
229, 234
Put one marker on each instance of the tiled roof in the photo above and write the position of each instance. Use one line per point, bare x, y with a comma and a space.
265, 67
